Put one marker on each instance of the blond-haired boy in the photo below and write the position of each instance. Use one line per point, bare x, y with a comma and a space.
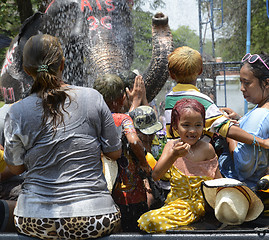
185, 65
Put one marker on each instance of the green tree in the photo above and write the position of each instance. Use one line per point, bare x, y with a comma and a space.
260, 27
9, 18
142, 39
14, 12
232, 45
12, 15
142, 25
184, 36
9, 22
152, 3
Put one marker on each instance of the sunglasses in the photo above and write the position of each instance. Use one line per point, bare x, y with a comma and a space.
253, 58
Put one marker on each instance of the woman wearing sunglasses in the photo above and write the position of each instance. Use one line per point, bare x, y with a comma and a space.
248, 163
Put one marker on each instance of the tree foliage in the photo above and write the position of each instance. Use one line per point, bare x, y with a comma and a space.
153, 4
260, 27
232, 45
9, 22
184, 36
12, 14
142, 24
9, 18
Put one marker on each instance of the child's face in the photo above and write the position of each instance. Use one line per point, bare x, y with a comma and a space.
190, 126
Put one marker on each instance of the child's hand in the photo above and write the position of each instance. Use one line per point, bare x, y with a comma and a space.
180, 148
173, 149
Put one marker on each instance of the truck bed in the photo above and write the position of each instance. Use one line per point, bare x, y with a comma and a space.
207, 228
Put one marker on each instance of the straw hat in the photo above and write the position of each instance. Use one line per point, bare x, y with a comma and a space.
110, 170
233, 202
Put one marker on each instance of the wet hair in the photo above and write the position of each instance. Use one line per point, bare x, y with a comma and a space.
185, 64
259, 70
110, 86
42, 58
180, 107
128, 78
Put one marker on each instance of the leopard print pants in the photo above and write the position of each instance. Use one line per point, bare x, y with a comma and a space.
69, 228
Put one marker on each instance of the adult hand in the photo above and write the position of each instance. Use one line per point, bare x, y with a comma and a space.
264, 143
230, 113
137, 95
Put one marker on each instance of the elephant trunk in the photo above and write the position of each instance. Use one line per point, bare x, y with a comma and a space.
157, 73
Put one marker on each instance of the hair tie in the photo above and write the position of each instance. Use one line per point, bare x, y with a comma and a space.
43, 68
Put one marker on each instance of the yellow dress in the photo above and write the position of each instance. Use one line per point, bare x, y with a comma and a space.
2, 162
184, 204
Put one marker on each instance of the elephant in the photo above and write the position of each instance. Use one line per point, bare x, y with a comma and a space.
97, 38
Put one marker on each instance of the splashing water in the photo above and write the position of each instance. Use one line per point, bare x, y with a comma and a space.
96, 38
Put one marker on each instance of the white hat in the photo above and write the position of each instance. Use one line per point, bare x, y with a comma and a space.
233, 202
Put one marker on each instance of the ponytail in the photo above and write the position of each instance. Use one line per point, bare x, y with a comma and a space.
42, 59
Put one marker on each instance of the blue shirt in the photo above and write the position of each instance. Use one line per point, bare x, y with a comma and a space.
249, 162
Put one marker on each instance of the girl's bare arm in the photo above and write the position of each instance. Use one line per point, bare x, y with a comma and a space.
172, 150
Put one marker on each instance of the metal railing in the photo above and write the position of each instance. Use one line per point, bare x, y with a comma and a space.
216, 74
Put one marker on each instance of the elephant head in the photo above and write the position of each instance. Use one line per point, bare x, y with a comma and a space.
97, 38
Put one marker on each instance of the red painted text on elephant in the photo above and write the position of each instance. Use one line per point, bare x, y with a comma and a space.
9, 58
94, 22
8, 94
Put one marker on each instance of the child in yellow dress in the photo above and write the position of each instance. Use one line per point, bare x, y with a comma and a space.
190, 161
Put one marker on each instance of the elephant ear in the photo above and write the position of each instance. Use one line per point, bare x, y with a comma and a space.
14, 82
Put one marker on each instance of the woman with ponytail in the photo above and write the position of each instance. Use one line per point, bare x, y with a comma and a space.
56, 136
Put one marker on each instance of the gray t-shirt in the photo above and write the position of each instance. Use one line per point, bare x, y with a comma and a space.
3, 112
64, 176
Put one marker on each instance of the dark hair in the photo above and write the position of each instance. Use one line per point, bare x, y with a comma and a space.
180, 107
110, 86
259, 70
42, 58
128, 78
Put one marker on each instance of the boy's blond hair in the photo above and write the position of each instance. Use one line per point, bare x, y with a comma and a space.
185, 64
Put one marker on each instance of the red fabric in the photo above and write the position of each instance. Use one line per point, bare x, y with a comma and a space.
204, 168
130, 187
126, 122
